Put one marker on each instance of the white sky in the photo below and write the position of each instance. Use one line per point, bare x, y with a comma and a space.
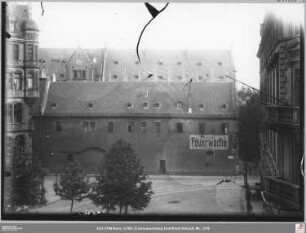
180, 26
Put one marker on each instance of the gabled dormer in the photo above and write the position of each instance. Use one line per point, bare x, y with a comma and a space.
79, 66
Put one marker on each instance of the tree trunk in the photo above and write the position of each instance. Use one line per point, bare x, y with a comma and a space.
71, 205
126, 209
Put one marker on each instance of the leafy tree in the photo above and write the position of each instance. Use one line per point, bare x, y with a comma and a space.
121, 181
250, 123
73, 184
27, 181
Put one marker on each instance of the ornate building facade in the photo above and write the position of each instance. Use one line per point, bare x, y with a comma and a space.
281, 55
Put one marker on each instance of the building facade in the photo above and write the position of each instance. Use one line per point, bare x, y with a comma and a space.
281, 83
21, 80
166, 118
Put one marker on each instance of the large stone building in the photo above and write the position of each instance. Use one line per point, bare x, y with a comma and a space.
281, 83
21, 79
94, 97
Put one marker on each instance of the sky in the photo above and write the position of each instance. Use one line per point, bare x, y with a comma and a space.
180, 26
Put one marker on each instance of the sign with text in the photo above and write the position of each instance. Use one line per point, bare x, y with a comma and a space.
208, 142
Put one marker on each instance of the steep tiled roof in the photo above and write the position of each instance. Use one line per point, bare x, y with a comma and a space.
182, 64
112, 98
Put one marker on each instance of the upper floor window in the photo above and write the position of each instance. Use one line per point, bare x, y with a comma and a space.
224, 107
114, 77
136, 76
30, 52
179, 63
160, 63
224, 128
157, 126
179, 127
160, 76
58, 126
201, 128
12, 27
53, 105
17, 81
157, 105
89, 126
90, 105
20, 143
201, 107
143, 126
116, 62
129, 105
15, 52
200, 78
131, 126
14, 113
79, 74
110, 127
199, 63
30, 80
179, 77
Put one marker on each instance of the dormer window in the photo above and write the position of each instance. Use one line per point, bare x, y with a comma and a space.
179, 105
201, 107
90, 105
129, 105
54, 105
157, 105
145, 105
224, 107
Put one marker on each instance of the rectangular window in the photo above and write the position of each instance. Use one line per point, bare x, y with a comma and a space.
89, 126
75, 74
58, 126
179, 127
157, 127
15, 52
110, 127
224, 128
201, 128
70, 158
143, 126
30, 53
131, 127
9, 113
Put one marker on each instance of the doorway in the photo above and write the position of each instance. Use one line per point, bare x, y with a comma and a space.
162, 166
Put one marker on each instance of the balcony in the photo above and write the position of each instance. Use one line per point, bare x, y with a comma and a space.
14, 93
31, 93
19, 127
282, 115
282, 192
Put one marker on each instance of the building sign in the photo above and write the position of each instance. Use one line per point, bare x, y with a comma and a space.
208, 142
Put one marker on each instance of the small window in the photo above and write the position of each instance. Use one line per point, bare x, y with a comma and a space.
157, 105
145, 105
200, 78
12, 27
110, 127
224, 128
179, 77
70, 158
15, 52
90, 105
201, 107
199, 63
157, 126
220, 63
53, 105
207, 75
116, 62
137, 62
131, 126
160, 77
224, 107
179, 127
221, 77
201, 128
58, 126
129, 105
136, 76
160, 63
179, 63
179, 105
143, 127
114, 77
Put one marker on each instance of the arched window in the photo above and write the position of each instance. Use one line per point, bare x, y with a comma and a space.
179, 105
145, 105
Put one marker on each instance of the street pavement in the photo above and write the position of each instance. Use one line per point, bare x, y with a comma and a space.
175, 195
